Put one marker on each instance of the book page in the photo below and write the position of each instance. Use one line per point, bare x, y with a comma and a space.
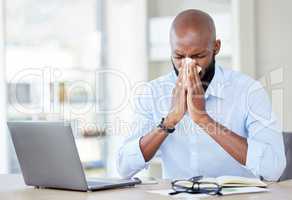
239, 181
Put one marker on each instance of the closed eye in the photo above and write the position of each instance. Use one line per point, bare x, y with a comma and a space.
177, 56
199, 56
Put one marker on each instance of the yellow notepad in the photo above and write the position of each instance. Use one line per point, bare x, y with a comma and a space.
235, 181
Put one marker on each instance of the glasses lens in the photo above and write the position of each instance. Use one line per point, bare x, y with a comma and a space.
182, 185
205, 187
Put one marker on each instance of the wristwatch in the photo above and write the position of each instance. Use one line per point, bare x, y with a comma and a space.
163, 127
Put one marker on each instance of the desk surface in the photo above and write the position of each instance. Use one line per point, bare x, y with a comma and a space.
13, 188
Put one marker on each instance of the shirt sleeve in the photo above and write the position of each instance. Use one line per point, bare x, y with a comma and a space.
265, 154
130, 159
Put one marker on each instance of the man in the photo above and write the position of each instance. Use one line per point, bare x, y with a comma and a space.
202, 119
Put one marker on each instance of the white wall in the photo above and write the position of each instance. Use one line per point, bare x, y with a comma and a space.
273, 31
165, 8
126, 54
3, 128
243, 36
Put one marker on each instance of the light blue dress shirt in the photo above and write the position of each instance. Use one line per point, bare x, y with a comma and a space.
234, 100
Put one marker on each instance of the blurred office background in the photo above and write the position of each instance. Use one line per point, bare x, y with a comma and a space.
83, 61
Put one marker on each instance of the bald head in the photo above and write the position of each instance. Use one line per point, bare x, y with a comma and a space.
193, 22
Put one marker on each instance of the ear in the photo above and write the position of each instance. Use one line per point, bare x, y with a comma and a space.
217, 46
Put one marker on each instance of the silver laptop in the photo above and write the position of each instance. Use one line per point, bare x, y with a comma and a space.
48, 157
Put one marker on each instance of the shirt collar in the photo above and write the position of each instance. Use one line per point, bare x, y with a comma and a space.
216, 86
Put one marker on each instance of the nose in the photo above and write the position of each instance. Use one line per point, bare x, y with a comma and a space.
188, 60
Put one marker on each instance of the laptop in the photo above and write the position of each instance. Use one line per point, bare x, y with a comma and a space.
48, 157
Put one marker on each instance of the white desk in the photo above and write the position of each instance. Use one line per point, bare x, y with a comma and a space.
13, 188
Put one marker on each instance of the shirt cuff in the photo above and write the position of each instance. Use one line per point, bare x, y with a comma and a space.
255, 154
135, 157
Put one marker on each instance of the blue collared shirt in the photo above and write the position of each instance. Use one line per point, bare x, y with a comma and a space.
232, 99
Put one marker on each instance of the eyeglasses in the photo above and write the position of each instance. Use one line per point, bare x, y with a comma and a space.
195, 186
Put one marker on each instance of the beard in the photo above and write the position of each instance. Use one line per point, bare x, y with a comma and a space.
207, 77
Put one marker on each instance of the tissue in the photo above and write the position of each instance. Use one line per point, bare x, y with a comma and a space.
188, 62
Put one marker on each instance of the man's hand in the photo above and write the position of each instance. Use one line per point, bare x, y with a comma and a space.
179, 101
150, 143
195, 95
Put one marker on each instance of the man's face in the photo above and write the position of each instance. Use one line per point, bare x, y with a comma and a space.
202, 50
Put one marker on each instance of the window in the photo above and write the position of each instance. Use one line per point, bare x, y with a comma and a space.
52, 51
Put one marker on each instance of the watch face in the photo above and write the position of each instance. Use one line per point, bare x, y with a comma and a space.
168, 130
171, 130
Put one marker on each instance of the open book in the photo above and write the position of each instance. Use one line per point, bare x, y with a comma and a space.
230, 185
235, 181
